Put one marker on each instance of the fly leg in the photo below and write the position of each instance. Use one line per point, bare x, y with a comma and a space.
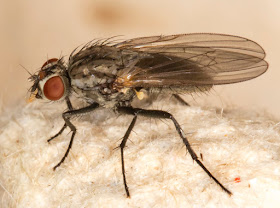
165, 115
66, 116
180, 99
70, 107
58, 133
122, 146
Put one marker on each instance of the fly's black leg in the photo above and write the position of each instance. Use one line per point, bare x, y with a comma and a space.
122, 146
60, 132
166, 115
66, 116
180, 99
70, 107
69, 104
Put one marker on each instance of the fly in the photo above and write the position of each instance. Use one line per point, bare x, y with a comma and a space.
110, 75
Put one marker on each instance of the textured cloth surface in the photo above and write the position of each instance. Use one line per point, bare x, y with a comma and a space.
234, 143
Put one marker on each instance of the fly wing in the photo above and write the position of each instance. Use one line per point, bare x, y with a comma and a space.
192, 60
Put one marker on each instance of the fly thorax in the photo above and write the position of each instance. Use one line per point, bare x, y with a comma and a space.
95, 84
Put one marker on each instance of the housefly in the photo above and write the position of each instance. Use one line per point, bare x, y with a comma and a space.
111, 75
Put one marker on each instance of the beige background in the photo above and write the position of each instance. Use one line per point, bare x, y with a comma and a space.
33, 30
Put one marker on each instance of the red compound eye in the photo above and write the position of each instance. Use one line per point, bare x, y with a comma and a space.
42, 74
50, 61
54, 88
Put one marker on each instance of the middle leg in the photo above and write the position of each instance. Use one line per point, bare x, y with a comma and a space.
122, 146
165, 115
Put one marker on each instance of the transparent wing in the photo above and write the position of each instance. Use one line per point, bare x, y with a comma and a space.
192, 59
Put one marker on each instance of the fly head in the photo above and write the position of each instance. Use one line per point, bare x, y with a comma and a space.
51, 82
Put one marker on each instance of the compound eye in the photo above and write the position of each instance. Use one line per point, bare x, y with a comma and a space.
50, 61
42, 74
54, 88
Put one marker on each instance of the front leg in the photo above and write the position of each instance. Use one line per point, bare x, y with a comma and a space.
161, 115
66, 116
70, 107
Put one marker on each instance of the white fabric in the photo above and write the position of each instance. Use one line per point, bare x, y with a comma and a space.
235, 143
